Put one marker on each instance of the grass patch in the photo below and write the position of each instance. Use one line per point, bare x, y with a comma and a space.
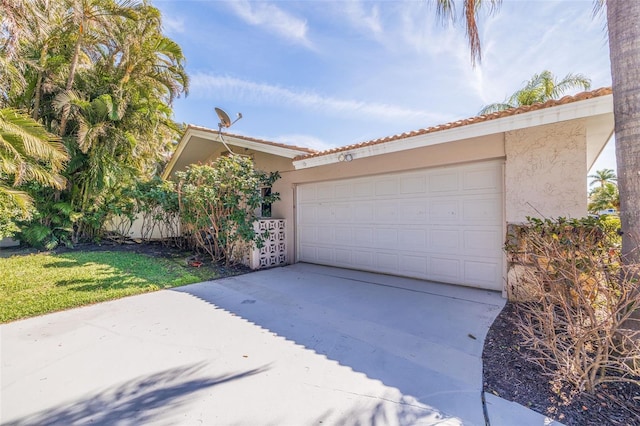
36, 284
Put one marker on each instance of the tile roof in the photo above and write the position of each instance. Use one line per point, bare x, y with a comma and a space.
473, 120
247, 138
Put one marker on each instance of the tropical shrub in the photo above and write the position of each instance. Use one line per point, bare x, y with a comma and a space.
101, 76
579, 325
156, 206
52, 221
218, 205
10, 213
604, 197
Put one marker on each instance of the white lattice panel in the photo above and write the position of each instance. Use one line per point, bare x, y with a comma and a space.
274, 251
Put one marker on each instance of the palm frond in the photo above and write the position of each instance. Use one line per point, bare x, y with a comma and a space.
496, 107
21, 199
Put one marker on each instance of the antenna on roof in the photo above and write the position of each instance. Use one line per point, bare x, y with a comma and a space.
225, 122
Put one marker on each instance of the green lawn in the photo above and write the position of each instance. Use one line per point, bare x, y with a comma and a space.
36, 284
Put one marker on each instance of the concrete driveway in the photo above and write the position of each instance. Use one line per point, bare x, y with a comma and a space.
299, 345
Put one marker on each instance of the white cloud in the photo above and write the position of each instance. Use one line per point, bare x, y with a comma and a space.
173, 24
306, 141
273, 19
359, 17
205, 85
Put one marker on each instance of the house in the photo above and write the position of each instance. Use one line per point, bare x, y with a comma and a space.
434, 203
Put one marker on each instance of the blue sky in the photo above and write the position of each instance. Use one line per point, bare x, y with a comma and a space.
322, 73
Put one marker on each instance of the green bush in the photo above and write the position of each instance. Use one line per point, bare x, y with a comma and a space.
218, 204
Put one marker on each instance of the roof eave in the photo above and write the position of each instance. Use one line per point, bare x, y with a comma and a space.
570, 111
230, 140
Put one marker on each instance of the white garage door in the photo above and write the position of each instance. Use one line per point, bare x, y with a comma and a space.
442, 224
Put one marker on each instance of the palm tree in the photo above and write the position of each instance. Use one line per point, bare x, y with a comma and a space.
604, 197
12, 25
28, 153
120, 120
540, 88
624, 51
91, 22
603, 177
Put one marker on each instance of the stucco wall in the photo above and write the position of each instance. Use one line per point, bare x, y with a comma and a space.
545, 172
489, 147
261, 161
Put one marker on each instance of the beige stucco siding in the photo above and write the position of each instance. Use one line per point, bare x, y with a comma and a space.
469, 150
200, 150
545, 172
261, 161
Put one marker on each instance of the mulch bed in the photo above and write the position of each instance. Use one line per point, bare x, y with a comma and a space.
509, 375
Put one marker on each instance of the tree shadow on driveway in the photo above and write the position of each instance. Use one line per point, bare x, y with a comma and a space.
423, 339
137, 401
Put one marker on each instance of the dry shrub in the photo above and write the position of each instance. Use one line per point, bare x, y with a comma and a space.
580, 326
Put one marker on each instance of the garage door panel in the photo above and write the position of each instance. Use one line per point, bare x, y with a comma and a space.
307, 213
386, 187
343, 235
444, 211
363, 237
325, 191
308, 234
440, 224
482, 243
413, 185
307, 193
307, 253
362, 212
325, 254
363, 189
324, 235
482, 272
363, 259
481, 209
387, 262
342, 213
386, 238
412, 239
343, 191
343, 257
443, 182
413, 212
445, 240
386, 212
445, 269
324, 213
487, 179
414, 265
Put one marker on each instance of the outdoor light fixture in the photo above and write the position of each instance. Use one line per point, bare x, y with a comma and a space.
345, 157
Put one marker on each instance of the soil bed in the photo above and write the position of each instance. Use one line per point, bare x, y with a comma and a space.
509, 375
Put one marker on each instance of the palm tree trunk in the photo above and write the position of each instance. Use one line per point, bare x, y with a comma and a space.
38, 91
70, 80
624, 33
624, 50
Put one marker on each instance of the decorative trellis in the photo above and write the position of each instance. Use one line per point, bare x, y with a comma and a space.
274, 251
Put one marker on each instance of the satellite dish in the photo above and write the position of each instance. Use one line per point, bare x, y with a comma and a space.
225, 121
